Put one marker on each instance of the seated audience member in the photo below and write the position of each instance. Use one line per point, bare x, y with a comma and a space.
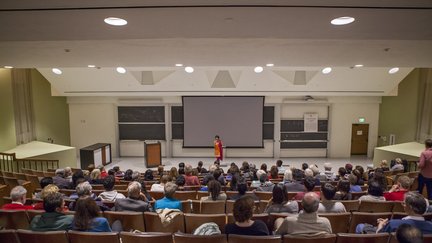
375, 192
265, 185
210, 174
409, 234
90, 167
159, 187
18, 196
415, 206
314, 172
180, 181
384, 165
95, 177
168, 201
379, 177
256, 183
110, 194
246, 171
53, 218
328, 191
173, 173
305, 166
348, 168
253, 170
309, 185
232, 185
397, 192
288, 176
133, 202
118, 172
181, 168
242, 189
341, 174
148, 175
128, 175
43, 183
68, 173
234, 169
214, 188
307, 222
84, 189
60, 181
145, 196
49, 189
343, 192
218, 175
190, 180
274, 172
398, 166
359, 177
362, 173
87, 217
160, 170
264, 167
201, 169
103, 172
329, 175
244, 225
281, 169
77, 178
353, 184
280, 203
296, 185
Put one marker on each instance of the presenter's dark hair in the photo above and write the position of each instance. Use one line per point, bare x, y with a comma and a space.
217, 136
428, 143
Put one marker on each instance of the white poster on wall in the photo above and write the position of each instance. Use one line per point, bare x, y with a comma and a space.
310, 122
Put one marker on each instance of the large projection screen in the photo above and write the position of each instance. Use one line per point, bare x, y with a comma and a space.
238, 120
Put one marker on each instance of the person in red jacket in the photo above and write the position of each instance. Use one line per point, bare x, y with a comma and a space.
18, 196
398, 190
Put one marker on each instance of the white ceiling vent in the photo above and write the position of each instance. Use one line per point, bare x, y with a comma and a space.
223, 78
298, 77
150, 77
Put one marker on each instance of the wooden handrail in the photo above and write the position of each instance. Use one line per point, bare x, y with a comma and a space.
9, 162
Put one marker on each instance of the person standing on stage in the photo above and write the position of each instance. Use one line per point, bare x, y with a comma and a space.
218, 148
425, 166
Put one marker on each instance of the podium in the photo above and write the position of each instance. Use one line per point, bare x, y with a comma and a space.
153, 154
97, 154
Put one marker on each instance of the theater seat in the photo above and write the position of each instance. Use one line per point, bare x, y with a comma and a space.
339, 221
9, 236
129, 220
370, 218
330, 238
193, 221
264, 195
376, 206
254, 239
351, 205
208, 207
28, 236
32, 213
149, 237
185, 195
14, 219
363, 238
189, 238
154, 224
93, 237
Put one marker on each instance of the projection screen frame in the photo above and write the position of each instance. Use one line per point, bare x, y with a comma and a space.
242, 147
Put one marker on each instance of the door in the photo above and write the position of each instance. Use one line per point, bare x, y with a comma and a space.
359, 139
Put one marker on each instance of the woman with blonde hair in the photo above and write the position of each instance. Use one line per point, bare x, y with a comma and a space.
95, 177
49, 189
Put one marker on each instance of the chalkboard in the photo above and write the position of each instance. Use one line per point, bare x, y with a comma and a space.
177, 113
308, 145
177, 131
298, 125
142, 131
141, 114
268, 131
304, 136
268, 114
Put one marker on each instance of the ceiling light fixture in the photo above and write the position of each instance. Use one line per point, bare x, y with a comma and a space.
270, 65
91, 66
115, 21
179, 65
358, 65
9, 67
121, 70
189, 69
56, 71
393, 70
258, 69
326, 70
342, 20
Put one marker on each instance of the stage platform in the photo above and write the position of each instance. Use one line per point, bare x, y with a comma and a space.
40, 150
409, 151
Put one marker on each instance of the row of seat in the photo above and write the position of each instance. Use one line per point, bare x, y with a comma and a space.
188, 222
25, 236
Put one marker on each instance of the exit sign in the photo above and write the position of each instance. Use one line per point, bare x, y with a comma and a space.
361, 120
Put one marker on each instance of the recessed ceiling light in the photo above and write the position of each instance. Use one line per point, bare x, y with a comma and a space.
326, 70
121, 70
258, 69
56, 71
342, 20
394, 70
115, 21
269, 64
358, 65
91, 66
189, 69
179, 65
8, 67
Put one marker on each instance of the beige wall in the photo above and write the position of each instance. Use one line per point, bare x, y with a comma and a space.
399, 113
7, 121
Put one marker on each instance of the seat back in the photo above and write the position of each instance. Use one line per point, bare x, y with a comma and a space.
362, 238
398, 208
193, 221
32, 213
28, 236
357, 195
201, 194
93, 237
34, 180
20, 176
14, 219
330, 238
129, 220
370, 218
339, 221
189, 238
262, 216
38, 173
255, 239
27, 171
152, 237
4, 192
156, 195
153, 223
185, 195
8, 236
264, 195
208, 207
376, 206
351, 205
